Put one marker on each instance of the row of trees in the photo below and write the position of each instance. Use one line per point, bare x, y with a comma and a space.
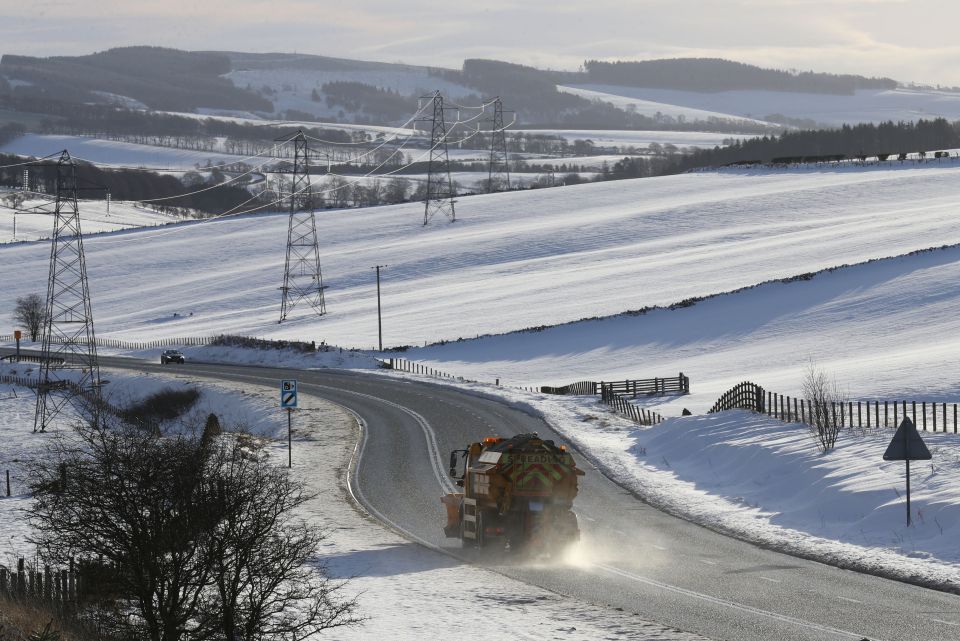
851, 141
716, 74
385, 104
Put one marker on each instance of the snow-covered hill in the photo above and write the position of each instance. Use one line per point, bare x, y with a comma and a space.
828, 109
511, 260
33, 218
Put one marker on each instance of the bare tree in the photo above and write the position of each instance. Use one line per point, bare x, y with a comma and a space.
136, 501
30, 312
264, 586
826, 406
397, 190
199, 531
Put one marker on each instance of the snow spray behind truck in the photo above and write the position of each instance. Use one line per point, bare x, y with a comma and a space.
517, 493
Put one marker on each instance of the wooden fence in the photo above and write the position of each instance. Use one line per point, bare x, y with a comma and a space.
926, 415
55, 586
580, 388
22, 381
116, 343
649, 386
406, 365
633, 387
622, 406
31, 358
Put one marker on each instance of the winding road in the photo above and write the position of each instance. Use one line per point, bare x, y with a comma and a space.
636, 558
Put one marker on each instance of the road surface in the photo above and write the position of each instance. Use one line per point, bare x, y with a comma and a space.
632, 557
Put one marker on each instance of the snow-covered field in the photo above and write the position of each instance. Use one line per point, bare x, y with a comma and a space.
547, 257
113, 153
862, 106
629, 102
94, 218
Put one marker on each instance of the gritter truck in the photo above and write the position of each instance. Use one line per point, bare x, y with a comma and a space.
517, 494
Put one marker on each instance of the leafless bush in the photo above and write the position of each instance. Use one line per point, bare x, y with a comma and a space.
827, 405
200, 534
30, 313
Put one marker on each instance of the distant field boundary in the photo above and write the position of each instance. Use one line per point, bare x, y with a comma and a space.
693, 300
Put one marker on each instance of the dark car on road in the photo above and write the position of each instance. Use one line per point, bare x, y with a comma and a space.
171, 356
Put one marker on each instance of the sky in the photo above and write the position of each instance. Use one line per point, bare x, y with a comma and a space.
909, 40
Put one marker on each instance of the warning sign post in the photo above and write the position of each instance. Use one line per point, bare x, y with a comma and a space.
288, 401
907, 446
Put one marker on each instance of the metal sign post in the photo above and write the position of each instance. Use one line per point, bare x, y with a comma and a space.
17, 334
907, 445
288, 401
290, 441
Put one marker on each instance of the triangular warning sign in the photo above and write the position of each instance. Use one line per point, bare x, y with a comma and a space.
907, 444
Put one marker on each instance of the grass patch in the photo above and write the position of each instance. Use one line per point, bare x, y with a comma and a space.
165, 405
31, 621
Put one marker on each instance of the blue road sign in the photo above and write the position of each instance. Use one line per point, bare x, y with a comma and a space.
288, 393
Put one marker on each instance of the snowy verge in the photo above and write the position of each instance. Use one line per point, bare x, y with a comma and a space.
763, 481
18, 443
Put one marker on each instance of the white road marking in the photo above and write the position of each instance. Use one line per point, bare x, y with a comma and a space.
766, 578
661, 548
736, 606
945, 622
355, 490
705, 561
843, 598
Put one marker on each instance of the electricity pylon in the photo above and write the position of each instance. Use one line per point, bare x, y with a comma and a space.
439, 193
302, 279
499, 167
69, 369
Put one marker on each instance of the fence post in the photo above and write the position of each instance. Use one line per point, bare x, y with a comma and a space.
914, 404
72, 578
21, 579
